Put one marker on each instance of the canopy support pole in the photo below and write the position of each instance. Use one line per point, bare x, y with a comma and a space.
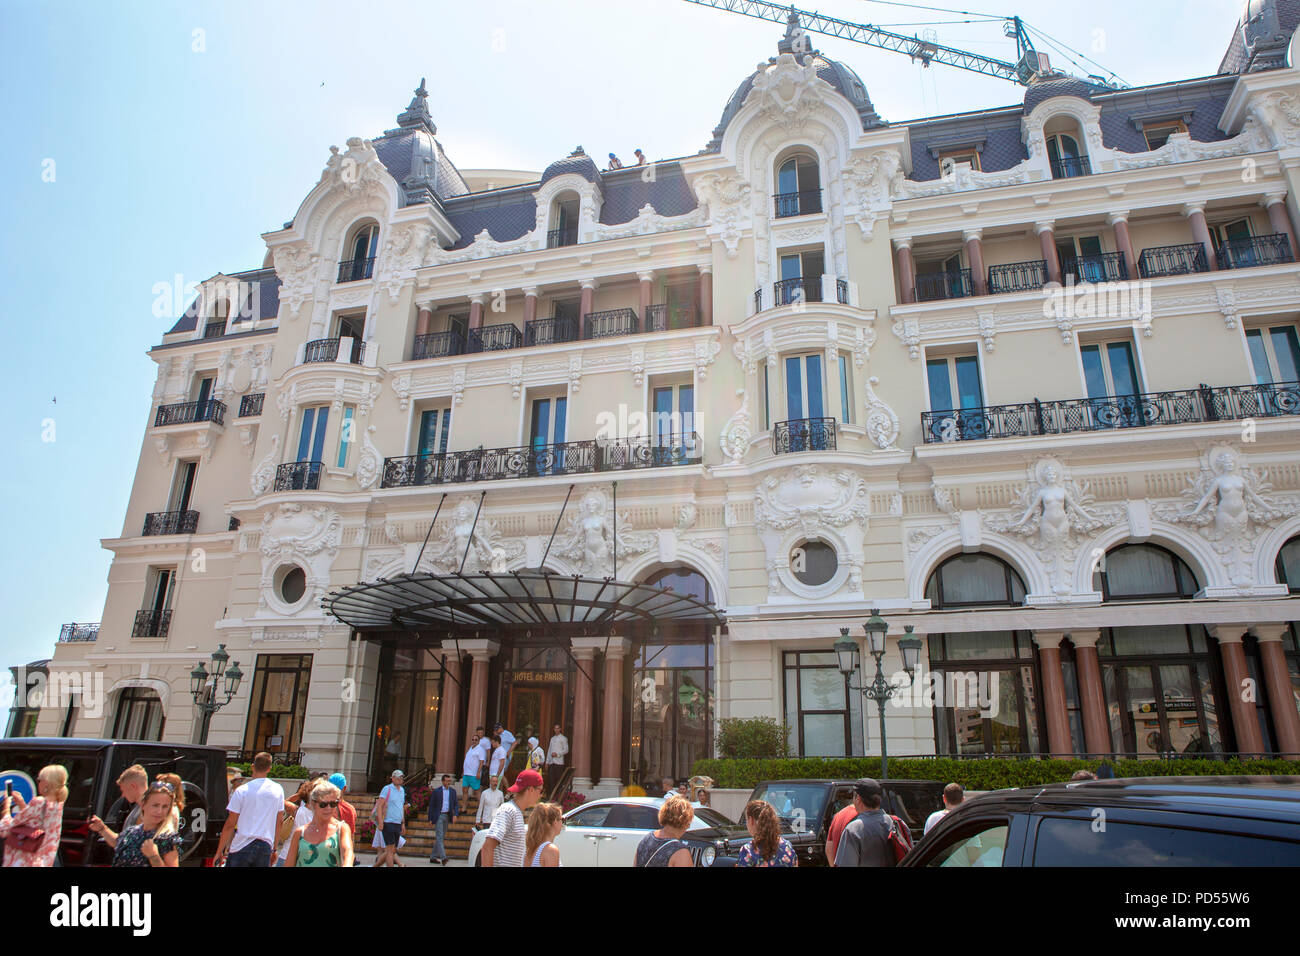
556, 528
436, 512
470, 543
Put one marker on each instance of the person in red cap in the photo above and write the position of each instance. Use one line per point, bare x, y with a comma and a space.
507, 835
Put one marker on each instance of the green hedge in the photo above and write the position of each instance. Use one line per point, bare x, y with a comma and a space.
281, 771
995, 773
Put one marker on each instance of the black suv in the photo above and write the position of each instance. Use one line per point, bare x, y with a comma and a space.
806, 808
93, 768
1139, 821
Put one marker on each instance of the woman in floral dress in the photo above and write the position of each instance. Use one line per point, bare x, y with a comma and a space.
767, 848
154, 840
45, 812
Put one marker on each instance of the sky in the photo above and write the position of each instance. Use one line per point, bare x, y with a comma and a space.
156, 140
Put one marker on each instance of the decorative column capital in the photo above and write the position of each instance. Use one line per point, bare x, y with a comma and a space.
1049, 639
1273, 198
706, 268
1115, 218
646, 275
1084, 638
425, 305
1271, 631
1044, 225
968, 234
1228, 633
477, 298
1193, 208
530, 291
591, 282
903, 242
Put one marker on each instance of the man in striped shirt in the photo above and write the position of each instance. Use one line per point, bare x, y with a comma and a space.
504, 845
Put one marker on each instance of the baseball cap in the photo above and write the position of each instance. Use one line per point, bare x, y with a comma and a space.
339, 780
868, 789
526, 779
398, 773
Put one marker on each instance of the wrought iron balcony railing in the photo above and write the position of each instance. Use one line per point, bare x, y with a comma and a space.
354, 270
492, 338
842, 291
214, 330
1178, 260
438, 345
602, 325
803, 434
1186, 406
151, 623
251, 404
1255, 251
327, 350
798, 289
551, 331
185, 413
805, 202
1070, 166
170, 522
661, 318
561, 237
298, 476
78, 633
1018, 276
1106, 267
953, 284
528, 461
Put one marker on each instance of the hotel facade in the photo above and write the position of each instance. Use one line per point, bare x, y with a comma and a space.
1023, 379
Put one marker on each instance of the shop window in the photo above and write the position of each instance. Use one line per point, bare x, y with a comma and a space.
139, 715
278, 703
823, 713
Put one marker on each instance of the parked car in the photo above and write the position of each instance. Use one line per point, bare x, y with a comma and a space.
606, 832
93, 768
1139, 821
806, 808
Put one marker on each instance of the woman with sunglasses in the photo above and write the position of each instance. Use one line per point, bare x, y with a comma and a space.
152, 841
326, 840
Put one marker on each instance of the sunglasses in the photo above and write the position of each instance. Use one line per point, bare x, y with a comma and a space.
328, 804
162, 785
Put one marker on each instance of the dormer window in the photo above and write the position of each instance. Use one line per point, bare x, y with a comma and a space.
564, 221
1065, 157
216, 324
360, 252
949, 159
798, 187
1158, 134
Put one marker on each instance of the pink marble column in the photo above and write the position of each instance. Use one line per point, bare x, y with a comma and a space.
588, 298
906, 270
1058, 721
1280, 218
482, 652
583, 698
706, 295
1195, 214
423, 317
1281, 693
449, 753
1047, 243
1124, 242
611, 750
975, 255
1092, 698
647, 291
530, 304
476, 312
1235, 675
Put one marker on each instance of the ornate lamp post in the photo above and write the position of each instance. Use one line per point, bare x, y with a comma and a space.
204, 688
879, 690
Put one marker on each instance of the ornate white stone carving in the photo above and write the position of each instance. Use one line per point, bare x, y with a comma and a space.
686, 516
575, 371
516, 378
403, 254
881, 422
298, 267
589, 536
369, 462
725, 201
1227, 299
458, 384
869, 184
264, 474
485, 551
293, 528
737, 432
356, 171
636, 364
988, 329
402, 389
705, 352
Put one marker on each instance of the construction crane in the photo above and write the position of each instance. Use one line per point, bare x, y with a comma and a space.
1029, 64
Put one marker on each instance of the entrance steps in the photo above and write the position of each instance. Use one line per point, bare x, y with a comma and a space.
420, 836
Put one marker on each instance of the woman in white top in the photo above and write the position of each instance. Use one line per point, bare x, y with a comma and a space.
301, 817
544, 825
489, 802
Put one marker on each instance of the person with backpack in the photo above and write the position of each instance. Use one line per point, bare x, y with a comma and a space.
874, 838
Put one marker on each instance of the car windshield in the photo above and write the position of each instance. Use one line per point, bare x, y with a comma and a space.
799, 805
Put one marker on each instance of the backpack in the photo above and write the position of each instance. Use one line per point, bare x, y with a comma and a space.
899, 839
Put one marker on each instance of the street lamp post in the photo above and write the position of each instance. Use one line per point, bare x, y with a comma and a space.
879, 690
204, 688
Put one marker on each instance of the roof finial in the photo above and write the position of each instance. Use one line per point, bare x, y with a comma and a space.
795, 40
417, 114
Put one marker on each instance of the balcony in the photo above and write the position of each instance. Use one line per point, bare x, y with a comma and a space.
251, 404
1188, 406
78, 633
354, 270
1172, 260
214, 330
327, 350
187, 413
170, 522
531, 461
1018, 277
493, 338
953, 284
806, 202
1255, 251
1070, 166
552, 331
151, 623
803, 434
298, 476
662, 318
1106, 267
438, 345
561, 237
610, 323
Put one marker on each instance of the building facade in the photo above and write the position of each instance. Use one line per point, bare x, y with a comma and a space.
1024, 379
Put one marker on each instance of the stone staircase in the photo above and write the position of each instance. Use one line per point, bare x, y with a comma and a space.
419, 831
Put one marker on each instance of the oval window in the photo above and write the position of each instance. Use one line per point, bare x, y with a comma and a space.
813, 563
293, 585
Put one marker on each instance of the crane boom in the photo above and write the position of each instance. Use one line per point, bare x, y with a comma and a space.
1030, 62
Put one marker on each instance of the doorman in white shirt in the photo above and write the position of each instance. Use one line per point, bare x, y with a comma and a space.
557, 753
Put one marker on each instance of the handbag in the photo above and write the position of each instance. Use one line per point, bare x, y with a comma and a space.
26, 837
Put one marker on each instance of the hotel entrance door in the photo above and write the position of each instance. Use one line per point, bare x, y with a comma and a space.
534, 709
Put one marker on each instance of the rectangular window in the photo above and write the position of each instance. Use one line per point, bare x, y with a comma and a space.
954, 383
823, 713
161, 584
345, 436
278, 704
950, 158
804, 386
311, 437
547, 428
1158, 134
204, 390
183, 486
139, 715
767, 401
846, 389
1109, 369
1274, 354
435, 426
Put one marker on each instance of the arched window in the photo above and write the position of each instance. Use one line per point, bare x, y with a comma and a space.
362, 244
974, 580
798, 186
1162, 684
683, 580
139, 715
1288, 565
1065, 153
986, 697
564, 220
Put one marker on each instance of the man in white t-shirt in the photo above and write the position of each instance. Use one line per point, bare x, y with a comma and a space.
248, 838
507, 740
489, 802
555, 757
953, 795
504, 845
499, 755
